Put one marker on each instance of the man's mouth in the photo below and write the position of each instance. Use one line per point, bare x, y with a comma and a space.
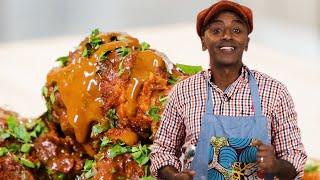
227, 49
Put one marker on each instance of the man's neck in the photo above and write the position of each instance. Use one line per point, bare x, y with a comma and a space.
224, 76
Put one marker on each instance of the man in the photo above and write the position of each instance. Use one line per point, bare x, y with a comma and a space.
228, 122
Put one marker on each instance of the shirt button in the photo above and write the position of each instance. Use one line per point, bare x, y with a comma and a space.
226, 98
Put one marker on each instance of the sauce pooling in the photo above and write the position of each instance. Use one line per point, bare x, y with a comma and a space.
79, 84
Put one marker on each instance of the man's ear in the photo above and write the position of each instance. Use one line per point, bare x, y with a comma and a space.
204, 47
247, 44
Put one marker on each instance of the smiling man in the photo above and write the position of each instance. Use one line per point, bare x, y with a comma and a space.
229, 121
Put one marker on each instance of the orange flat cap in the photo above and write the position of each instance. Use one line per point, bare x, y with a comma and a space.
205, 15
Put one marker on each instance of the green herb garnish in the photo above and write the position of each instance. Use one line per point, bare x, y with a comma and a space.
140, 154
3, 151
4, 134
25, 148
121, 68
112, 116
104, 55
98, 128
153, 113
85, 52
172, 80
95, 32
144, 46
88, 168
190, 70
123, 51
117, 149
45, 91
63, 60
105, 141
18, 130
26, 162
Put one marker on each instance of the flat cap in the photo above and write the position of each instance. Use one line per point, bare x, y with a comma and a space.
205, 15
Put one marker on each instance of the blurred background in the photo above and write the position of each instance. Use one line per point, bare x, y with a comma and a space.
284, 44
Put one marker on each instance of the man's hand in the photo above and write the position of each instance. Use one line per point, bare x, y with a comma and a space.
268, 163
171, 173
184, 175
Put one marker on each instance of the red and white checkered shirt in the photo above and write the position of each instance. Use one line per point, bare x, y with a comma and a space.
181, 120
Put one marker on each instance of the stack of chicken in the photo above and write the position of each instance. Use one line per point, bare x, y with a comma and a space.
104, 105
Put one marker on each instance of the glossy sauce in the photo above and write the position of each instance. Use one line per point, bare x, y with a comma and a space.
147, 62
79, 89
78, 84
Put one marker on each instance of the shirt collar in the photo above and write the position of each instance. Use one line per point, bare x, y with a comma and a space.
231, 89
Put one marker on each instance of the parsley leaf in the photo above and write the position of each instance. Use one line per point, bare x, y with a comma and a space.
88, 165
85, 52
173, 80
153, 113
105, 141
26, 162
144, 46
3, 151
98, 128
147, 178
140, 154
87, 168
13, 148
104, 55
95, 32
25, 148
44, 91
63, 60
52, 95
189, 69
117, 149
112, 116
18, 130
123, 51
121, 68
4, 135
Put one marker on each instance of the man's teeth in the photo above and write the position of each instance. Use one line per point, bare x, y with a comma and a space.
227, 48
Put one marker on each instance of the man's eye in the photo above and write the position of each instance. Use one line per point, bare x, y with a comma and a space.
236, 30
216, 31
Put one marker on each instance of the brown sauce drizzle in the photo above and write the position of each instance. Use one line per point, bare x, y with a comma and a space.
147, 62
79, 85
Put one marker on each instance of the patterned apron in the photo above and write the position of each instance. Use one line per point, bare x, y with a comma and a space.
224, 149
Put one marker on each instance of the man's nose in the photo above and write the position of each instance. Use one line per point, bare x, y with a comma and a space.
227, 35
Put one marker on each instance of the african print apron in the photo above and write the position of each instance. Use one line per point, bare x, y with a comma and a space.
224, 149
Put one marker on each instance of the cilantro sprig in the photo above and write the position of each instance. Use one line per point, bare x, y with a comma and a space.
94, 43
118, 149
141, 154
153, 113
64, 60
99, 128
113, 117
88, 170
144, 46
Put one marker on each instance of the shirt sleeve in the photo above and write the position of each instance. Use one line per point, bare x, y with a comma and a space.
169, 138
286, 137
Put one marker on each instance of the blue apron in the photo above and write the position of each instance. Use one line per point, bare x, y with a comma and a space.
224, 149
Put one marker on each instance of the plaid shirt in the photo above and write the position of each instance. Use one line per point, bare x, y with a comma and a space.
181, 120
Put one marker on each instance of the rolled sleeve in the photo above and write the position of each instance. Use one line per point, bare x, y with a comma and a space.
166, 149
286, 136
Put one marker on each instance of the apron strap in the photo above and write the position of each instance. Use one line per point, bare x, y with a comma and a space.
209, 105
255, 95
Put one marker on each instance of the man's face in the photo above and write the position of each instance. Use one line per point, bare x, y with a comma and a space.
226, 37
